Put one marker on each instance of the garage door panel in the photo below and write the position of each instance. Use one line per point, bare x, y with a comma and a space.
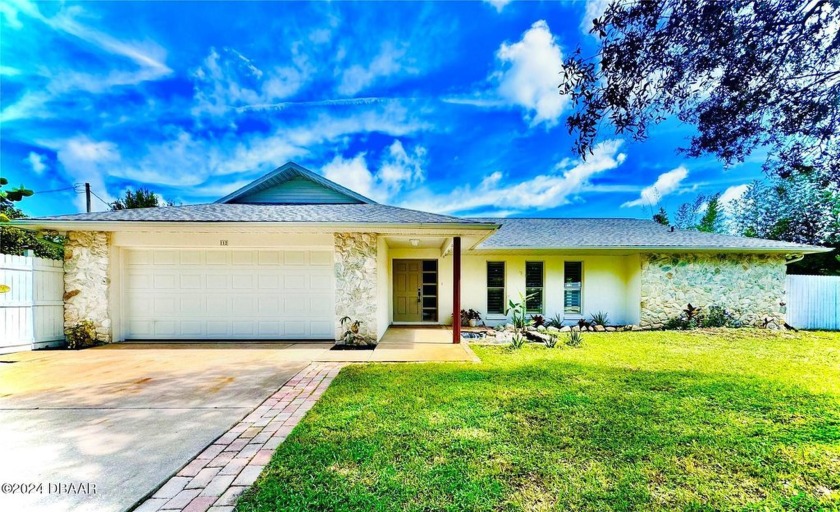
165, 281
269, 258
190, 282
268, 281
320, 282
295, 258
192, 306
321, 329
217, 282
217, 307
216, 257
321, 258
228, 294
166, 258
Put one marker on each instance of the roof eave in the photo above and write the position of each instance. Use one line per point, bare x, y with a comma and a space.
145, 225
805, 249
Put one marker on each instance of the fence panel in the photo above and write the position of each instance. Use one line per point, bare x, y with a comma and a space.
32, 312
813, 302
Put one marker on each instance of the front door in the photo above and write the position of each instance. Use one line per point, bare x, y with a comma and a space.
415, 291
408, 297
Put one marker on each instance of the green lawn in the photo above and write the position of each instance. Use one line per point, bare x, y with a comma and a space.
731, 420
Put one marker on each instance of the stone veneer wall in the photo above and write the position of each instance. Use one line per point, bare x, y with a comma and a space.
751, 286
86, 281
356, 281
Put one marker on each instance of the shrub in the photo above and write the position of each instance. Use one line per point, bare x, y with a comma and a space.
537, 320
574, 339
517, 341
81, 335
693, 317
555, 321
600, 318
351, 335
551, 342
469, 314
716, 316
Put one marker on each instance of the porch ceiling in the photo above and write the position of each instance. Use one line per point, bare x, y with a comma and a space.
422, 242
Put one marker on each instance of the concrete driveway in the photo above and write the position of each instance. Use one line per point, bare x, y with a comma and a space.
117, 421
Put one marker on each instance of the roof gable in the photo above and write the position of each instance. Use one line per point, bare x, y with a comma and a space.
293, 184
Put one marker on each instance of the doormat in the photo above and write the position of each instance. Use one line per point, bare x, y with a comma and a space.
353, 347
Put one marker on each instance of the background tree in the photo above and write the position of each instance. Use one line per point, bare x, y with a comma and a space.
747, 74
802, 208
15, 241
142, 198
661, 217
712, 219
688, 214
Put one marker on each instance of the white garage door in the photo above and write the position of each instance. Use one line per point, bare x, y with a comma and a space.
228, 294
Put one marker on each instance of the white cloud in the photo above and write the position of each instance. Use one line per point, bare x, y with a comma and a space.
398, 171
498, 4
90, 161
665, 184
550, 190
532, 74
388, 62
732, 194
147, 59
36, 161
229, 80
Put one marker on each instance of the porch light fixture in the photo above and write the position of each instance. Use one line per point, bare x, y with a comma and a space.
414, 242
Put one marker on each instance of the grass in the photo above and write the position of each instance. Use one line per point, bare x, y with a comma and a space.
723, 420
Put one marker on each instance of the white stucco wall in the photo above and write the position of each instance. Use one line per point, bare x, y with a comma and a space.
610, 284
383, 292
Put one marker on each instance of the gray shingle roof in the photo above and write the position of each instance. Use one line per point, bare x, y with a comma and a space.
616, 233
337, 213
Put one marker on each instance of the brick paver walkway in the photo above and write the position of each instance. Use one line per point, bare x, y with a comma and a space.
215, 479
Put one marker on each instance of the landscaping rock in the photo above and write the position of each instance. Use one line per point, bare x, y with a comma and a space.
609, 329
541, 328
565, 328
599, 328
553, 329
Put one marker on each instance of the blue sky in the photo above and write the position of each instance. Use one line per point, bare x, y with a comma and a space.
449, 107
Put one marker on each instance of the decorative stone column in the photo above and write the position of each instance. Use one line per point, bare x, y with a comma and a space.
356, 281
751, 286
86, 281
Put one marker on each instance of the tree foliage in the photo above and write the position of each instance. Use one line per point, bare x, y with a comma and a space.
748, 74
712, 219
142, 198
15, 241
802, 208
661, 217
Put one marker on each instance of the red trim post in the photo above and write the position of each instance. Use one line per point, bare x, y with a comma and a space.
456, 289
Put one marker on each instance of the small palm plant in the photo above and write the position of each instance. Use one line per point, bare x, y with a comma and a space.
600, 318
575, 339
351, 335
517, 341
551, 341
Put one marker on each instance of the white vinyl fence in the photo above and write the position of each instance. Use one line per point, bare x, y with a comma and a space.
813, 302
32, 312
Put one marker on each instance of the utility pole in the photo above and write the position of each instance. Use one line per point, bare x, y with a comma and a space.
87, 196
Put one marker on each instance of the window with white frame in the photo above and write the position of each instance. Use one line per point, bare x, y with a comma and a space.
496, 287
572, 287
534, 286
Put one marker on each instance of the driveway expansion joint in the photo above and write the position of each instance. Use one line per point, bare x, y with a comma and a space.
216, 477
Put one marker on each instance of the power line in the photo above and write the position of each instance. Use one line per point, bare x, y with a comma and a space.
73, 188
103, 201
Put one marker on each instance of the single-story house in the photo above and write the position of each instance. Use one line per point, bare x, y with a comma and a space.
290, 254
